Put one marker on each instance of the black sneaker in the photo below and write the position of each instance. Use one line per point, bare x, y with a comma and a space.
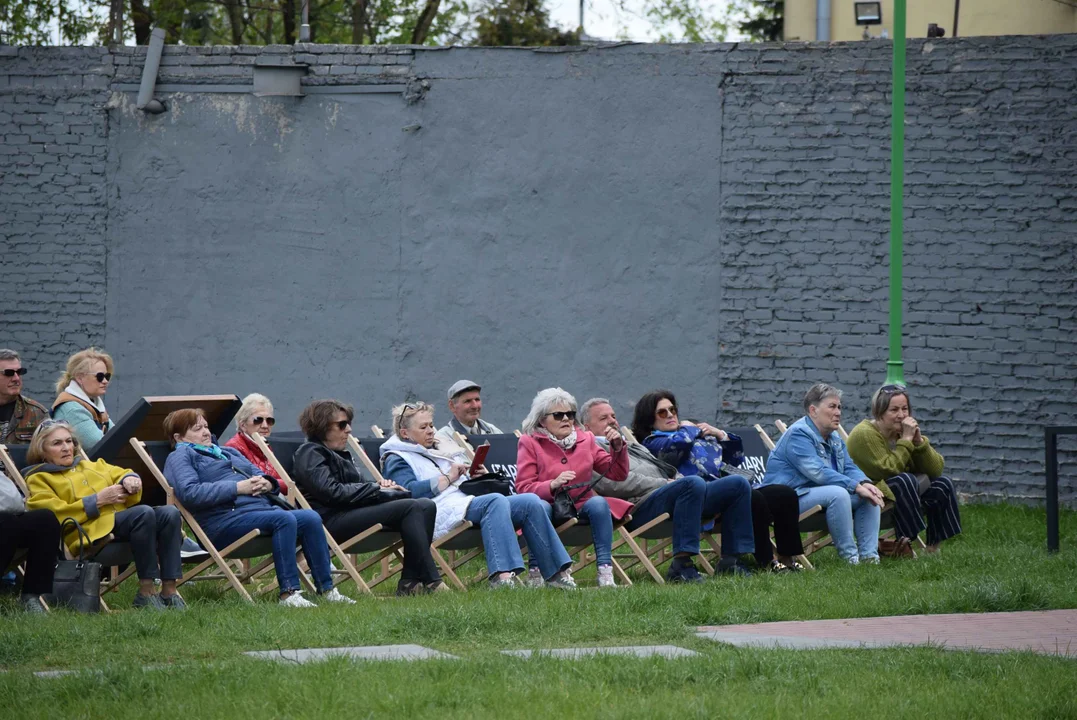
32, 604
683, 570
191, 552
732, 566
153, 602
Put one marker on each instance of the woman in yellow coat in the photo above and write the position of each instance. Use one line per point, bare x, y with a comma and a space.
104, 499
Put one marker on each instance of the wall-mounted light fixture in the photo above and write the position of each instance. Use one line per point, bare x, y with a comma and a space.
868, 13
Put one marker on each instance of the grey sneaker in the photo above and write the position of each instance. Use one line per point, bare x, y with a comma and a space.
174, 602
149, 601
32, 604
605, 576
499, 583
534, 578
561, 581
192, 552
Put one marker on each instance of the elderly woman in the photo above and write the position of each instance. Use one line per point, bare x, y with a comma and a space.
78, 395
411, 458
891, 451
350, 504
204, 477
696, 449
811, 458
38, 531
555, 454
103, 499
256, 416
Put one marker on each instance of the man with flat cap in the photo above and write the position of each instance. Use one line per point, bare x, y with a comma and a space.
465, 404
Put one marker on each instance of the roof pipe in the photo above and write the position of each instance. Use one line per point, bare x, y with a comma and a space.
145, 101
822, 20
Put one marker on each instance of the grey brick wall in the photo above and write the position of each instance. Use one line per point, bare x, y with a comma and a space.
53, 213
709, 218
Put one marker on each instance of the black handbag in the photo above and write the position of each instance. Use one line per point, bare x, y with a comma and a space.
76, 584
564, 507
487, 484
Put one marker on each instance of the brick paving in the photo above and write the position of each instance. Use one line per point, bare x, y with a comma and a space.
1051, 632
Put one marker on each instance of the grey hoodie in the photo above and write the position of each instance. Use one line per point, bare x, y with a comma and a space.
646, 473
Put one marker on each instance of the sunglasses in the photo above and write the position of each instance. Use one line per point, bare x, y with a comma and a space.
893, 389
102, 377
271, 421
666, 412
559, 416
342, 424
12, 373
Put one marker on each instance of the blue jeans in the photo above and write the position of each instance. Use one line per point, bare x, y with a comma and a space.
846, 513
596, 511
498, 517
683, 500
288, 528
731, 496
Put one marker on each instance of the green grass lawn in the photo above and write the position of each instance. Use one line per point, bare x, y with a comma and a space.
999, 564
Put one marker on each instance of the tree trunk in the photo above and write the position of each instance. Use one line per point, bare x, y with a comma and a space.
140, 17
235, 20
358, 21
287, 8
426, 19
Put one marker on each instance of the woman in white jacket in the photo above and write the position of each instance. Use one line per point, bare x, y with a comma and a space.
411, 459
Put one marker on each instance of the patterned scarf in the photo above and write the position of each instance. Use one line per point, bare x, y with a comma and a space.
210, 449
566, 443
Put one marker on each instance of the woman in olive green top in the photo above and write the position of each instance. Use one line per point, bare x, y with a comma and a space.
890, 450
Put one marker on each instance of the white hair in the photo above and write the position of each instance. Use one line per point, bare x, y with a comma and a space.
250, 403
585, 409
540, 407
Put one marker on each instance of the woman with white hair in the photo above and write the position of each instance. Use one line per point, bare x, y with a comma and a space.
256, 416
555, 454
411, 459
811, 458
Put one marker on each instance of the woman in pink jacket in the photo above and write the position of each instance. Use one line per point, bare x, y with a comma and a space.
555, 453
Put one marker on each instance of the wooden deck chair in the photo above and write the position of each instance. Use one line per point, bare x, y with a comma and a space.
463, 537
253, 544
373, 539
106, 550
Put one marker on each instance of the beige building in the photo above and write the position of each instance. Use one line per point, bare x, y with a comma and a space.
977, 17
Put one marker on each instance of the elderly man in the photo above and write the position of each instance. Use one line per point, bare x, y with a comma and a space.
654, 487
19, 415
465, 404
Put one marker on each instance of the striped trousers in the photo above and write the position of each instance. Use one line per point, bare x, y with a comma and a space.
938, 503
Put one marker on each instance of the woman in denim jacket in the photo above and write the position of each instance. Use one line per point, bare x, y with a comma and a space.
812, 459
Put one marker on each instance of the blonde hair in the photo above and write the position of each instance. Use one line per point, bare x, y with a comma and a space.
246, 410
36, 452
404, 412
80, 364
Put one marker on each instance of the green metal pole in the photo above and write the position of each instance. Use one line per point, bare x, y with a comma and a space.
895, 368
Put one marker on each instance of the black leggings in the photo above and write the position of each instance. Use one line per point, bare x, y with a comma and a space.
780, 506
413, 519
39, 532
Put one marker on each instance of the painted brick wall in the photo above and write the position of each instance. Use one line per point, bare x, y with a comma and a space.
53, 167
715, 218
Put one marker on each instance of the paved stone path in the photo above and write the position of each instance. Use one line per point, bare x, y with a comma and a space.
1051, 632
370, 652
666, 651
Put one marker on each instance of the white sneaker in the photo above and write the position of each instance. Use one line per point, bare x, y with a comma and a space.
334, 596
534, 578
297, 600
605, 576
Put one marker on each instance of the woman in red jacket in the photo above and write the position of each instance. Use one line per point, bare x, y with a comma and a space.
256, 416
554, 453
